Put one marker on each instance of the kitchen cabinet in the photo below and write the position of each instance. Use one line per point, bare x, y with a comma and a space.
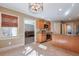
43, 27
41, 37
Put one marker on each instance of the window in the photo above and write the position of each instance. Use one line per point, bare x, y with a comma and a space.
69, 29
77, 32
9, 31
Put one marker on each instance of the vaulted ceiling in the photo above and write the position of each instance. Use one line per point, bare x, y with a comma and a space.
51, 11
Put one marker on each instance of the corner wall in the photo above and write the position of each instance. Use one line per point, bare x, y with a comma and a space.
19, 39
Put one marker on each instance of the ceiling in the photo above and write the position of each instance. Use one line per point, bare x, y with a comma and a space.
51, 11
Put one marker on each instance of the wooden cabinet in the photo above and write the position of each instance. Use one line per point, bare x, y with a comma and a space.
67, 42
41, 33
49, 26
41, 23
41, 37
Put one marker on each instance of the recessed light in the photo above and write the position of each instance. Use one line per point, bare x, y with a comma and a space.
59, 9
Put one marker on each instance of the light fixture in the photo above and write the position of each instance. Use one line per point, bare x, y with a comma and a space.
59, 9
36, 7
67, 12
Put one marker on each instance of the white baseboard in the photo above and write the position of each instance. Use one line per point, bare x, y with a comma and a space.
10, 47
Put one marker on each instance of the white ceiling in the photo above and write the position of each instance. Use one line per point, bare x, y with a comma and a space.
50, 10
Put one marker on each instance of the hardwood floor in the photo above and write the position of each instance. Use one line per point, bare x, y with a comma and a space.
36, 49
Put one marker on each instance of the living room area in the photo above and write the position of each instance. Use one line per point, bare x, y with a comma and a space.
33, 29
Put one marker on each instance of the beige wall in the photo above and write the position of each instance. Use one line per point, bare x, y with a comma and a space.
56, 27
74, 25
19, 39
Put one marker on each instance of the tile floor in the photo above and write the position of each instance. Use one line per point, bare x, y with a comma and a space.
36, 49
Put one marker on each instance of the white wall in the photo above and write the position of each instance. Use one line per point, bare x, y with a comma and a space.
29, 27
29, 24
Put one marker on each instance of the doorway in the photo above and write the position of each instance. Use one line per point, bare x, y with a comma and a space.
29, 31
